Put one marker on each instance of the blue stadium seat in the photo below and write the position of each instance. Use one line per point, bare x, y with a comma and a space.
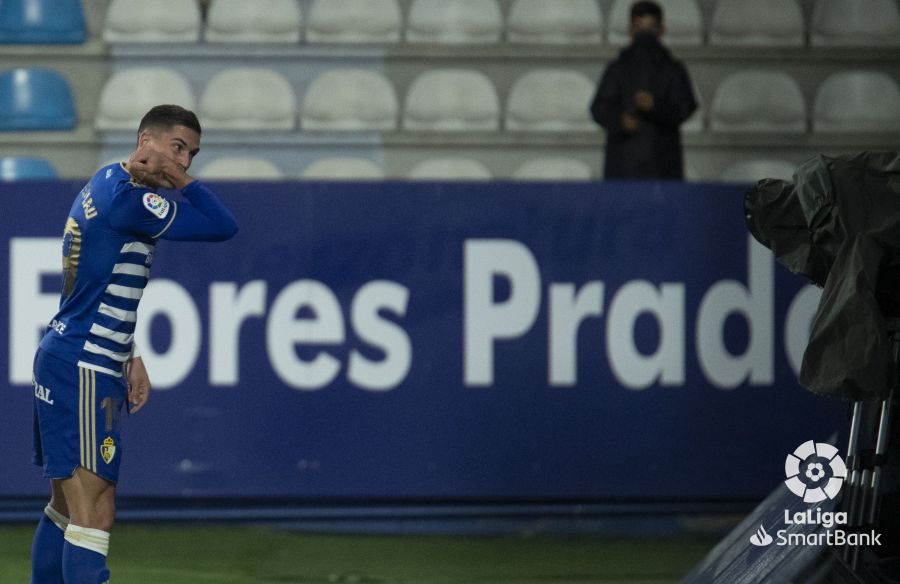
42, 22
35, 99
26, 168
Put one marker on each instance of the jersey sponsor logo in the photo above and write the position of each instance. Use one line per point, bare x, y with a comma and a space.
156, 205
42, 393
108, 449
58, 326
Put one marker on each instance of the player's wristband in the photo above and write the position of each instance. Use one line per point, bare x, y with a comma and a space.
135, 352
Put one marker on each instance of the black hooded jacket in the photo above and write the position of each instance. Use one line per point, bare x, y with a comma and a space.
654, 150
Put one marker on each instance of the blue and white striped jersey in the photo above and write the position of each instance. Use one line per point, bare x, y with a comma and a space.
108, 246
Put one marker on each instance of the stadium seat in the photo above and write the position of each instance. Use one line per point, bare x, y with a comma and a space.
159, 21
550, 100
354, 21
343, 168
759, 23
559, 22
449, 169
684, 24
42, 22
35, 99
260, 21
453, 100
758, 101
240, 168
248, 98
751, 171
553, 169
26, 168
350, 99
454, 21
129, 94
855, 22
857, 101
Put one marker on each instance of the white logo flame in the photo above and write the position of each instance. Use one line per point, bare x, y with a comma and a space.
761, 537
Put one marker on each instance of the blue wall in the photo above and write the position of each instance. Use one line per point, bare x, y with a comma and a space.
402, 340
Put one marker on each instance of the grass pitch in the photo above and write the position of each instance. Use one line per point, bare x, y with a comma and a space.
190, 554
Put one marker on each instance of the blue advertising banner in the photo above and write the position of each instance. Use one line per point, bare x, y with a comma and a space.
444, 341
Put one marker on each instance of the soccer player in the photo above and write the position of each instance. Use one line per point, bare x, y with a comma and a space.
87, 365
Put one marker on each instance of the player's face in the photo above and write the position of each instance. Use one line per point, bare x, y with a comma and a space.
179, 143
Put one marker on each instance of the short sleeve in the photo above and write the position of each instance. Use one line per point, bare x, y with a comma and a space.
138, 211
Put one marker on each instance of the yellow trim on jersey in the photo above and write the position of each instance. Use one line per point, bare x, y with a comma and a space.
87, 419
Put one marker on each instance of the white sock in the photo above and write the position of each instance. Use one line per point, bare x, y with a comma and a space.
89, 539
56, 517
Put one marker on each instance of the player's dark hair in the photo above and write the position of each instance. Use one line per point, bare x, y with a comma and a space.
169, 116
647, 8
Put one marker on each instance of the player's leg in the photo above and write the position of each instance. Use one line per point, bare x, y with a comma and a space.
91, 503
49, 538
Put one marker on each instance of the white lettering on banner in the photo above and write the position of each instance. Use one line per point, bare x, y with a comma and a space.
488, 259
633, 369
306, 336
485, 320
390, 338
285, 329
229, 308
30, 310
168, 299
567, 311
756, 305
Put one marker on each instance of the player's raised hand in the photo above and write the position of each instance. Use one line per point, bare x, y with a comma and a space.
138, 385
151, 167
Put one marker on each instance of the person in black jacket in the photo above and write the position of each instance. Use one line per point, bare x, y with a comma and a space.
642, 100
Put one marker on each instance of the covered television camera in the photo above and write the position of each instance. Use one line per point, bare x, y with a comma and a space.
838, 223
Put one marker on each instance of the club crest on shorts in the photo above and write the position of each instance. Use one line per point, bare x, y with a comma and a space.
108, 449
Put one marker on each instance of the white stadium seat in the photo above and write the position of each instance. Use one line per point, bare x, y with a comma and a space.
240, 168
260, 21
354, 21
454, 21
159, 21
683, 21
553, 169
758, 101
550, 100
343, 168
758, 23
857, 101
449, 169
452, 100
245, 98
129, 94
558, 22
751, 171
855, 22
350, 99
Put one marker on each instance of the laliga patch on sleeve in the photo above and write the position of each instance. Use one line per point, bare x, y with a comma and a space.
156, 205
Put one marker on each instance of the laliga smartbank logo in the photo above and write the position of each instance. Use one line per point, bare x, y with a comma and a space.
815, 472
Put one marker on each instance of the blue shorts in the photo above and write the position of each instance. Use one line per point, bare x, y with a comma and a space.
77, 419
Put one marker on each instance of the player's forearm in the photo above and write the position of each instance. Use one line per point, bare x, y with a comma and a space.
203, 216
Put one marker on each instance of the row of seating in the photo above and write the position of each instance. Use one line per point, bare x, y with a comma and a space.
438, 100
733, 22
543, 100
348, 168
